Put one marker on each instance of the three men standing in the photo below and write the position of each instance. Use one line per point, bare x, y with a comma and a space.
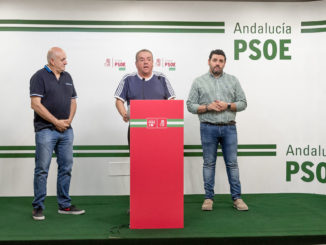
216, 97
53, 99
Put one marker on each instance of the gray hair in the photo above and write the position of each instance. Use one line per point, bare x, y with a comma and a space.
143, 50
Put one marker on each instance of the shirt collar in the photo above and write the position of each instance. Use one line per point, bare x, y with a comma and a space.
47, 68
145, 79
215, 77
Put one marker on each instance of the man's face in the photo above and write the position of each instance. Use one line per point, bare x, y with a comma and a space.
216, 64
144, 63
59, 61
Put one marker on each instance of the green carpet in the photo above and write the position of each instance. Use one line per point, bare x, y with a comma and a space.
296, 218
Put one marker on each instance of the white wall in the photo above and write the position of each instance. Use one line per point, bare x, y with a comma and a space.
285, 97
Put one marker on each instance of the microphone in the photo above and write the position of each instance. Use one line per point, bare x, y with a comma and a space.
143, 79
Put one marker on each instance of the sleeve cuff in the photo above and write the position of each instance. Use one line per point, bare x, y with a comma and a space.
117, 97
37, 95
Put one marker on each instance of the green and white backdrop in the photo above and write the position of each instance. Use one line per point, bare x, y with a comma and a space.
277, 50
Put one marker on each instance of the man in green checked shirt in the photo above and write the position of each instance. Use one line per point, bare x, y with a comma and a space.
216, 97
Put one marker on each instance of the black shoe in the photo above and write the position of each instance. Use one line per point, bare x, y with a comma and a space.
38, 214
71, 210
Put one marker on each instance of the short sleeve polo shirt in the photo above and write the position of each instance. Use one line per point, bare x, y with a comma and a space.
133, 87
55, 95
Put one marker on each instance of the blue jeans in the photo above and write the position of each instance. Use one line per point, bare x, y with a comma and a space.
211, 137
47, 141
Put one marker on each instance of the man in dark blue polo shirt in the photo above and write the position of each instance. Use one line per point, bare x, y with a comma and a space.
142, 85
53, 99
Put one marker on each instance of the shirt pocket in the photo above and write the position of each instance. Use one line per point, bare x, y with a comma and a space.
204, 96
69, 89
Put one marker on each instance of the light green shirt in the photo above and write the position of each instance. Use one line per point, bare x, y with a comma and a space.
206, 89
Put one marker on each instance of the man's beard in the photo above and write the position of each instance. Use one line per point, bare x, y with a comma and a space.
217, 72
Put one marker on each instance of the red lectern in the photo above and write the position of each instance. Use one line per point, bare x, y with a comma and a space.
156, 164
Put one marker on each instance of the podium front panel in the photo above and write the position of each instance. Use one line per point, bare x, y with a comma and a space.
156, 164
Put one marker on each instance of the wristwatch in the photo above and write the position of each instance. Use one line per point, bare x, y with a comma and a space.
229, 106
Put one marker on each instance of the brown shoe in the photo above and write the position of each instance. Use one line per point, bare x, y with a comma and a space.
240, 205
38, 214
207, 205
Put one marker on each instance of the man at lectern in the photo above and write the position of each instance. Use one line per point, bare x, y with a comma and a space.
216, 97
145, 84
53, 99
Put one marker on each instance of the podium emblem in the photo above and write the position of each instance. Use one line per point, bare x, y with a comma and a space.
156, 123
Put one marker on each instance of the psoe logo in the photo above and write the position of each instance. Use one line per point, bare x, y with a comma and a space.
168, 64
115, 64
156, 123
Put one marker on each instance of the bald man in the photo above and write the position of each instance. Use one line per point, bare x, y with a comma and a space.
53, 99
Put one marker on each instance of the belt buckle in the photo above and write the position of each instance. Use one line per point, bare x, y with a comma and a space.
222, 124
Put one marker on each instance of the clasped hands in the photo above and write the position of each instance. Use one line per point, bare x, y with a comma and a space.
62, 125
217, 105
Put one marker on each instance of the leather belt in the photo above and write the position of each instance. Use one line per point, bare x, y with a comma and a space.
221, 124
